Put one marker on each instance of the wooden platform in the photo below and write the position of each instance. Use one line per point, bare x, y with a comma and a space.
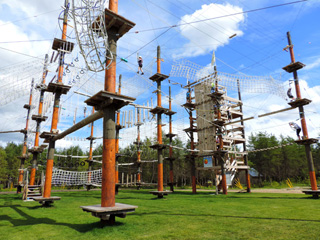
314, 193
114, 22
48, 135
158, 146
169, 112
219, 122
171, 135
293, 67
192, 129
62, 45
160, 194
58, 87
189, 105
299, 102
109, 213
38, 149
105, 99
26, 106
216, 94
39, 118
158, 110
158, 77
46, 201
307, 141
91, 138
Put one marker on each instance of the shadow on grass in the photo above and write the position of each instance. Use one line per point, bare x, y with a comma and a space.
168, 213
30, 220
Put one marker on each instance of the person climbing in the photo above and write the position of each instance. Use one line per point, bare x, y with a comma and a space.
228, 114
140, 62
188, 97
289, 94
212, 87
295, 127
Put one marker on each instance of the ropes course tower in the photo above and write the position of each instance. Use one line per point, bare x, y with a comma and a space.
159, 110
38, 118
293, 67
190, 131
91, 32
91, 138
108, 102
170, 135
24, 154
57, 88
138, 144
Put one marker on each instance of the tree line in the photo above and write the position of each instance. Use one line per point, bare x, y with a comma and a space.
272, 165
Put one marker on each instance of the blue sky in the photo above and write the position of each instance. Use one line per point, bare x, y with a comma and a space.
256, 50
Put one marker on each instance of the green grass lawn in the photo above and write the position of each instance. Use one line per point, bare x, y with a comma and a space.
181, 215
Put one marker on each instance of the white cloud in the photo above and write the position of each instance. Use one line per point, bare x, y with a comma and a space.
210, 34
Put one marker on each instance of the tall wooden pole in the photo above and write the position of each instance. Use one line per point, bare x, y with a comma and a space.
312, 175
109, 125
223, 173
24, 148
192, 159
159, 125
56, 106
171, 176
40, 107
118, 127
244, 144
90, 159
138, 147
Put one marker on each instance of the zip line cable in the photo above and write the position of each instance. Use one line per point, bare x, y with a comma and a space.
228, 15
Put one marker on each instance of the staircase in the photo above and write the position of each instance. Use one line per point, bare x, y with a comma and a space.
31, 191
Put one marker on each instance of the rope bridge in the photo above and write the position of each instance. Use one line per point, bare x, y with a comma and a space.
72, 178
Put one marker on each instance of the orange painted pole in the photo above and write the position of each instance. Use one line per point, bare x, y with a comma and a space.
109, 125
55, 114
117, 134
40, 107
159, 126
313, 179
24, 148
138, 149
91, 150
170, 149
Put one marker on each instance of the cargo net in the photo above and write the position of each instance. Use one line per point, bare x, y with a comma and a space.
15, 80
91, 34
72, 178
195, 73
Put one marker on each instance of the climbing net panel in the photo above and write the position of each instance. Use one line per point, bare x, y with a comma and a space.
91, 34
15, 81
250, 84
71, 178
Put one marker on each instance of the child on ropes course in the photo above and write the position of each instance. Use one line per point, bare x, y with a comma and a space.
140, 62
295, 127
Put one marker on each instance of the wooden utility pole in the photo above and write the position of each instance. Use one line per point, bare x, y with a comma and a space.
91, 138
244, 144
159, 110
138, 143
39, 118
108, 102
300, 102
190, 107
170, 136
63, 47
24, 154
